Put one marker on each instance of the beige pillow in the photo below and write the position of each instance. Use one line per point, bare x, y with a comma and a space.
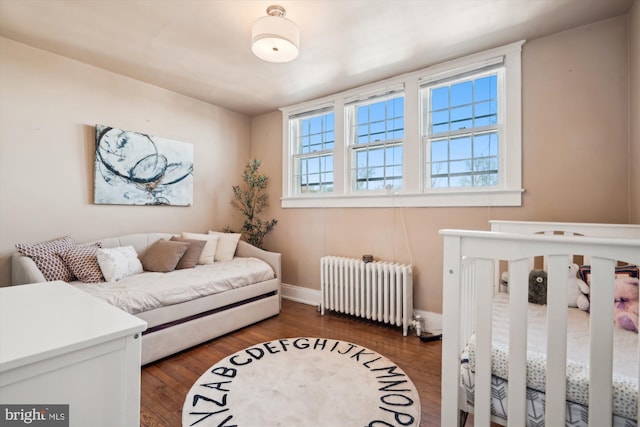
192, 255
163, 256
227, 244
209, 250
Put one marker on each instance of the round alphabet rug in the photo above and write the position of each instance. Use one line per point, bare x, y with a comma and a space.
303, 382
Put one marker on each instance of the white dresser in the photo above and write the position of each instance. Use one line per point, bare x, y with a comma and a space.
59, 345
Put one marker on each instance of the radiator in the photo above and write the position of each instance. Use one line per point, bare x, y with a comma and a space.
378, 291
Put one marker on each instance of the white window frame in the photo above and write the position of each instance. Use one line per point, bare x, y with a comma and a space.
297, 156
353, 147
498, 128
414, 192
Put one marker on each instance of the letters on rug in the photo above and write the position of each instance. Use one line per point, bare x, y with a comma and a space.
303, 382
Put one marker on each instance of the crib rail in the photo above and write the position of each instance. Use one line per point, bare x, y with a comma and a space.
468, 308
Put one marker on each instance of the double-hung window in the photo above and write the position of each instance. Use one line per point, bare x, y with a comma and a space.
446, 135
313, 137
375, 139
463, 130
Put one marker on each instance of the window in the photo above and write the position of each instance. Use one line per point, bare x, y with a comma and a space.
462, 131
447, 135
313, 139
375, 142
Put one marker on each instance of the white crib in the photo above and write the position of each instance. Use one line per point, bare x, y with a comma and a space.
472, 262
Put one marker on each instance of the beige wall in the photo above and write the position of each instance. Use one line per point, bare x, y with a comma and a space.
575, 167
634, 158
48, 111
576, 132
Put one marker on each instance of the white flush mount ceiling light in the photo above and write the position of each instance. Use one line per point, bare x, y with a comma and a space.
274, 37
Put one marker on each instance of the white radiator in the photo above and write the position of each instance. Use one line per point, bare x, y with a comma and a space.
378, 291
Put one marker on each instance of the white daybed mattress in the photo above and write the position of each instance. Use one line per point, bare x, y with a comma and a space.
625, 369
148, 291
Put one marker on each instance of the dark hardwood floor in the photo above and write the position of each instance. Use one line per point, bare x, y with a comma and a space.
165, 383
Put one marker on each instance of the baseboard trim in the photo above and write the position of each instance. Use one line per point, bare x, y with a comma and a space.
300, 294
433, 321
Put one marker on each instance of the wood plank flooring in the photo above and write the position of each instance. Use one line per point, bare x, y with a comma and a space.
165, 383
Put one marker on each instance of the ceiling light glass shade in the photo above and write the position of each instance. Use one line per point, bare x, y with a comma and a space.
274, 37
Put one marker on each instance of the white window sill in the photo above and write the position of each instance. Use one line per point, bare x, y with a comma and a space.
435, 199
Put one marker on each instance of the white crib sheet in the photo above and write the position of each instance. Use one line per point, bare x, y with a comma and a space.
625, 355
150, 290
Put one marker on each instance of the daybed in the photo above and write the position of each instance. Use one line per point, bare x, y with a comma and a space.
516, 363
177, 321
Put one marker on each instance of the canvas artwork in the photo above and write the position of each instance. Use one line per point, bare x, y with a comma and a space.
134, 168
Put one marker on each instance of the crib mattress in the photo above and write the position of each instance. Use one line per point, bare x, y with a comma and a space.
576, 415
625, 369
151, 290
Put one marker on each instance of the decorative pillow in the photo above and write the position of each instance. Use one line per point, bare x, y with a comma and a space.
227, 244
48, 257
118, 263
163, 255
584, 272
83, 262
192, 255
209, 251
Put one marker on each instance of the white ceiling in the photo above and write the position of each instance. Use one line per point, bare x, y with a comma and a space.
201, 48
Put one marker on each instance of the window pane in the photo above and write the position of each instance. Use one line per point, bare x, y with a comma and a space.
315, 125
377, 131
486, 113
457, 181
439, 182
460, 167
363, 114
376, 111
460, 148
440, 98
361, 159
329, 139
440, 128
485, 88
439, 150
395, 155
376, 157
461, 117
461, 93
440, 118
439, 168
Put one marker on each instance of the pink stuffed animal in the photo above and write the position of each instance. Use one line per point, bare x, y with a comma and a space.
626, 303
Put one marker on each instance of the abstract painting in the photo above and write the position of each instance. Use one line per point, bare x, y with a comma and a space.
134, 168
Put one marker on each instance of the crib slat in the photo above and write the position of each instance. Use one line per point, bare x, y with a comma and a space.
482, 400
518, 295
449, 414
601, 343
556, 385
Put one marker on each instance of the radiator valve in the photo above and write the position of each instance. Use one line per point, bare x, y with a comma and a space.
418, 324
